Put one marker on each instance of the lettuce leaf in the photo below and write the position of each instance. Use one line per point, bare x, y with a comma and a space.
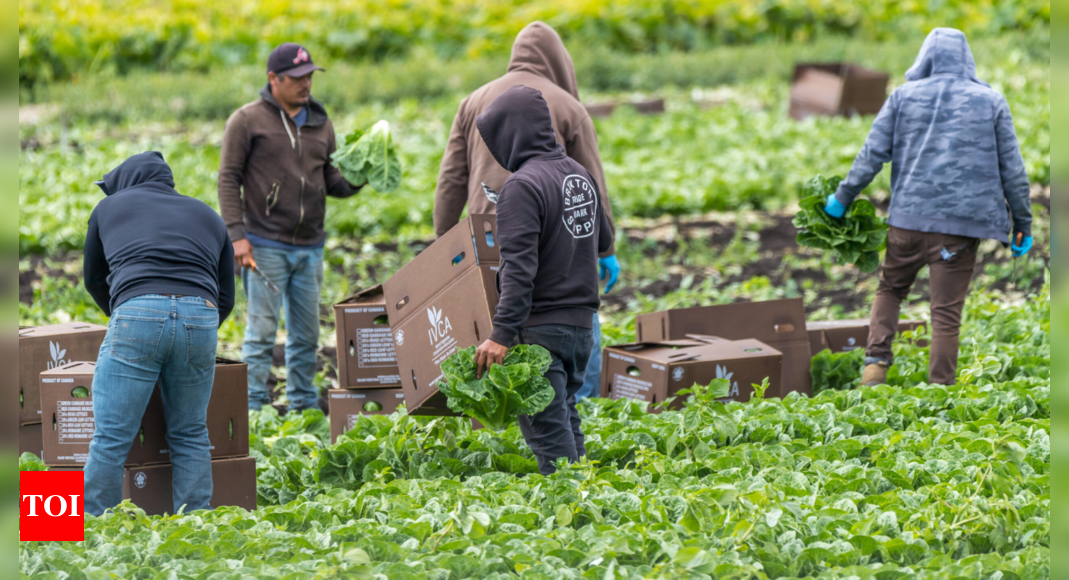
856, 239
506, 391
370, 157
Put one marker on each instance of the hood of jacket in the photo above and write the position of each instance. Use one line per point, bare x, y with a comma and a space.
517, 127
944, 52
147, 167
317, 113
538, 49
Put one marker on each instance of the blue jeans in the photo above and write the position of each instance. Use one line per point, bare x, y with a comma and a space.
592, 382
298, 276
556, 431
154, 338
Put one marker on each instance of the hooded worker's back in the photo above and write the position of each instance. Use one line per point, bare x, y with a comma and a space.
146, 238
955, 164
550, 224
469, 174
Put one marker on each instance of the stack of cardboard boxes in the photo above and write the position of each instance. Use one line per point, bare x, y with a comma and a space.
66, 399
369, 381
42, 348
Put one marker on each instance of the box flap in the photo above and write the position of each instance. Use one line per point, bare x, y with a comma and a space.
74, 367
373, 294
772, 322
828, 324
446, 260
60, 329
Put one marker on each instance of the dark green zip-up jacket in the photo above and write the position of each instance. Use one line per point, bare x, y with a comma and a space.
274, 178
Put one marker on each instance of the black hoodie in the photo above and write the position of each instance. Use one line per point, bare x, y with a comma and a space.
146, 238
551, 225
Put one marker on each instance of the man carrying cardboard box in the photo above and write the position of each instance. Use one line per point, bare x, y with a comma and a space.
551, 227
161, 265
470, 175
957, 178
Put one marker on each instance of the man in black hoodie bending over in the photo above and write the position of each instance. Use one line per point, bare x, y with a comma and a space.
551, 228
160, 264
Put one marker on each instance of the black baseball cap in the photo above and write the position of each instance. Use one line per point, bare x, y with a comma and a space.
292, 60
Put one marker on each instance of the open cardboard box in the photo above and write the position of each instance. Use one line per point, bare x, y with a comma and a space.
67, 398
366, 355
778, 323
346, 406
46, 347
655, 371
847, 335
836, 88
441, 302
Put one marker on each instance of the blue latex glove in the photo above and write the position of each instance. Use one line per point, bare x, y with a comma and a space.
834, 208
609, 267
1026, 245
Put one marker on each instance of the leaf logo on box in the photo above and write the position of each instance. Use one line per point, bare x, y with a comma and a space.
57, 355
440, 326
722, 373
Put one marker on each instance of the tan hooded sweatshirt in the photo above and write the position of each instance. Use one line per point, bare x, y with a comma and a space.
539, 61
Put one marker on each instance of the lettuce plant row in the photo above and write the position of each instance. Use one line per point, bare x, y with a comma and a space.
904, 480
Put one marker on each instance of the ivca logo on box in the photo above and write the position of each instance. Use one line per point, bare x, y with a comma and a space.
52, 506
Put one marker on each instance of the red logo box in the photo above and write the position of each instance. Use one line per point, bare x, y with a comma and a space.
52, 506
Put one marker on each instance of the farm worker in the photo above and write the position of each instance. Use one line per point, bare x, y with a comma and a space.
470, 175
956, 177
160, 264
551, 226
274, 179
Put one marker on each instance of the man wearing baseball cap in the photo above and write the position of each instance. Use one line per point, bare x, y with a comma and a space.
274, 178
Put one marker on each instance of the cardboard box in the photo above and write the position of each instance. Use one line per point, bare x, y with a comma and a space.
777, 323
654, 371
233, 484
846, 335
366, 355
442, 301
30, 440
836, 88
345, 406
47, 347
67, 398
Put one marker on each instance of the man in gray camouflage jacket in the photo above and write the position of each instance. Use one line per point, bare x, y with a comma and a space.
957, 177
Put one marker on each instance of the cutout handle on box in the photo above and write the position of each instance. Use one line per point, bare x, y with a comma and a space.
784, 328
402, 303
80, 392
381, 320
489, 229
459, 258
634, 371
352, 349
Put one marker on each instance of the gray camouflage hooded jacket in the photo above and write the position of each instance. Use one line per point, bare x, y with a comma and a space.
955, 164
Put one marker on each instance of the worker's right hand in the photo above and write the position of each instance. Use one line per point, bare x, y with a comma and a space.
834, 208
243, 254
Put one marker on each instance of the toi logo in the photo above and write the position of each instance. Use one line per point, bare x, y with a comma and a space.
677, 374
51, 506
140, 480
400, 336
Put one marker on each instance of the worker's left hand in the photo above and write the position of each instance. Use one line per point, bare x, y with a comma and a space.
834, 208
488, 353
1024, 248
609, 267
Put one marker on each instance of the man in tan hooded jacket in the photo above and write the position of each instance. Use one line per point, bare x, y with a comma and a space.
470, 175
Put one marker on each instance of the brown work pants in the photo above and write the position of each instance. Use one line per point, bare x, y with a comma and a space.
951, 261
